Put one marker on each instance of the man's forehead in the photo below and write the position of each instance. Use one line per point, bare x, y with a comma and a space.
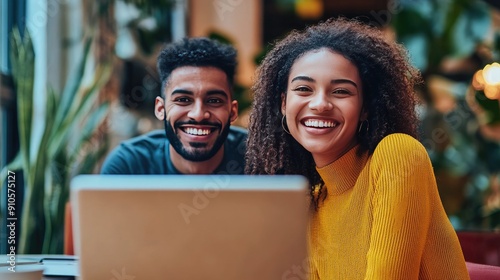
193, 70
198, 79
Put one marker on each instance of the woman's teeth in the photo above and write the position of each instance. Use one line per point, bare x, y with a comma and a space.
317, 123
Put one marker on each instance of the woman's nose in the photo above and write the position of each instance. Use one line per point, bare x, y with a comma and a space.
320, 103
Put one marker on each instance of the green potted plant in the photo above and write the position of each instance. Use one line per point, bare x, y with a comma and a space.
63, 149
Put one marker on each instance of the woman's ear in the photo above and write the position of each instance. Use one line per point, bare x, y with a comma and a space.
364, 115
283, 103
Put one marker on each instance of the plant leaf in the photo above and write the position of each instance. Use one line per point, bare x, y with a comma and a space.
23, 60
471, 28
89, 129
73, 84
90, 160
74, 117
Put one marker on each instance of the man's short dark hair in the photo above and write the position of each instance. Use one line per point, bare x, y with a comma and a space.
197, 52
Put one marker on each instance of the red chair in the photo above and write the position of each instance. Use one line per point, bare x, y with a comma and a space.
481, 247
483, 271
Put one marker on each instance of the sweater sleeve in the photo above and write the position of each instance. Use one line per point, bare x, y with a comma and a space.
402, 176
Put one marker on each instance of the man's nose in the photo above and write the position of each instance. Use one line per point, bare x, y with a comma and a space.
198, 112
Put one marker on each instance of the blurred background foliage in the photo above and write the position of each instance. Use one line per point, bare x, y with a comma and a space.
151, 23
449, 41
64, 148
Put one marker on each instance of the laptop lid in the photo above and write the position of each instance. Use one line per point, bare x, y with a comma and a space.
189, 226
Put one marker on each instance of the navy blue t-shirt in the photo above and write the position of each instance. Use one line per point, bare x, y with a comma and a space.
150, 154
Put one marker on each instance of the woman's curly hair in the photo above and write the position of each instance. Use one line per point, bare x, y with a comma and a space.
388, 81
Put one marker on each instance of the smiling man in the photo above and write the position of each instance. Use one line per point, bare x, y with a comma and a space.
197, 106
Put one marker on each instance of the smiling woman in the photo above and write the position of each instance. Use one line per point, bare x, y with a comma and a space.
325, 104
336, 103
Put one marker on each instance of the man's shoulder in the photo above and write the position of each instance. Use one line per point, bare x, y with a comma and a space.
149, 145
155, 137
235, 147
143, 154
237, 133
237, 138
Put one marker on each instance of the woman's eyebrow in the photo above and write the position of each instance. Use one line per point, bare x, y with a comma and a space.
303, 78
343, 81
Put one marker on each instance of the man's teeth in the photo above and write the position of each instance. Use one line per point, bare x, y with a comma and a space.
316, 123
195, 131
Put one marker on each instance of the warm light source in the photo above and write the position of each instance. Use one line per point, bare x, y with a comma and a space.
309, 9
491, 74
488, 80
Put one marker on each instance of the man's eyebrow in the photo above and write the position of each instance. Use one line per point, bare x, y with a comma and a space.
181, 91
209, 92
218, 92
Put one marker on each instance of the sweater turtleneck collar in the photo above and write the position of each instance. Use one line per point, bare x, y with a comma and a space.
341, 175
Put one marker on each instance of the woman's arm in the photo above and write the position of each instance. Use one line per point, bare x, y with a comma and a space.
402, 175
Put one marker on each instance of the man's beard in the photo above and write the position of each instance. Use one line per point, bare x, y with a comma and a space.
196, 154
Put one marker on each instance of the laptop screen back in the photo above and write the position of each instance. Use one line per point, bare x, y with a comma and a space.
189, 226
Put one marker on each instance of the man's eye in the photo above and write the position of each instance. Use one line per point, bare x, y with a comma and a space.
214, 100
182, 99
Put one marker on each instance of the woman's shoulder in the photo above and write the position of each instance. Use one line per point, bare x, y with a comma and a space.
402, 156
399, 144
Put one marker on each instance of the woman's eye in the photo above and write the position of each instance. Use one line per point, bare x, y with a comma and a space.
341, 91
301, 89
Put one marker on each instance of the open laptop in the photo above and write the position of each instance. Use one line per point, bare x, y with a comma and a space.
190, 226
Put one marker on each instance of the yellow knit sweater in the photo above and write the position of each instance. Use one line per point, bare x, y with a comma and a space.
383, 218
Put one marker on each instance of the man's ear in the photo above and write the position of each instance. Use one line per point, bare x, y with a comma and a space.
160, 108
233, 114
283, 103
